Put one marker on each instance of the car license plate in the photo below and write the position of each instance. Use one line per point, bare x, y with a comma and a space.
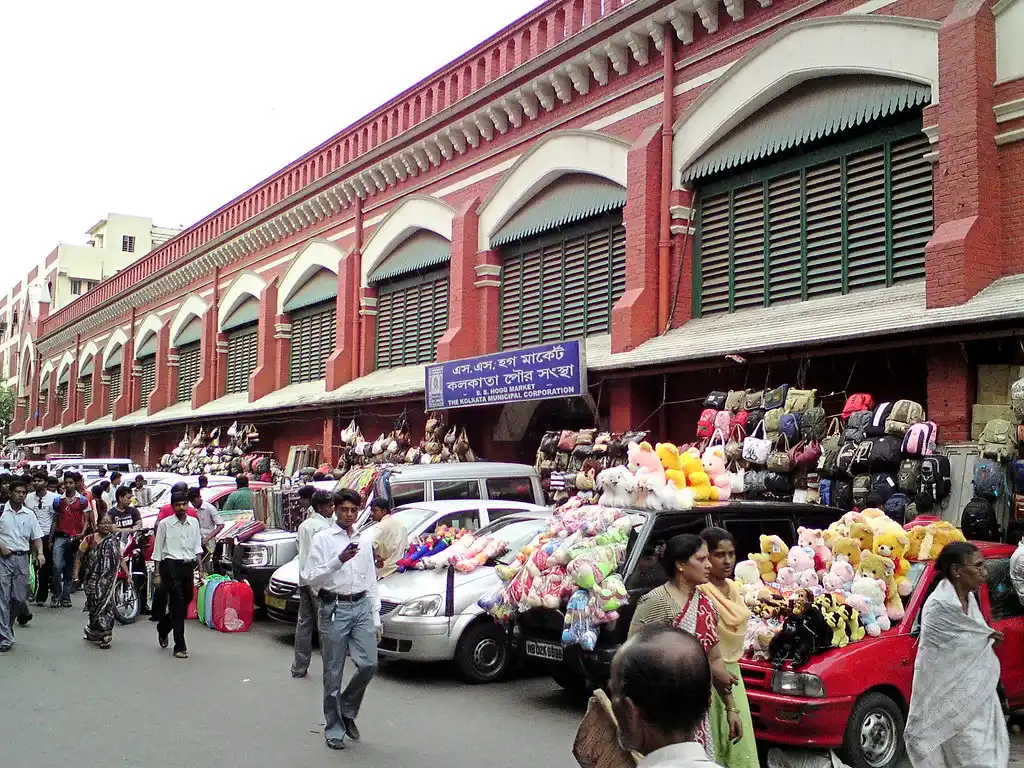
544, 650
276, 602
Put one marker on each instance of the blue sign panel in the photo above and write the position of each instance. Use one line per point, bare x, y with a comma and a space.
532, 373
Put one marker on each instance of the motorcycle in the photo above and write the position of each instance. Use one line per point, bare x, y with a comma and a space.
134, 579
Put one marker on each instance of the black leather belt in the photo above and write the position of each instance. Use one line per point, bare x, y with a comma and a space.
330, 597
25, 552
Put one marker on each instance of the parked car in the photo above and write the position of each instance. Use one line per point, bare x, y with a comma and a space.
856, 698
87, 466
540, 630
282, 597
432, 615
213, 494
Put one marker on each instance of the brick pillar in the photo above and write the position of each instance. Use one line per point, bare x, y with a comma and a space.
327, 453
111, 445
128, 401
208, 351
488, 290
681, 292
274, 336
462, 339
220, 372
367, 330
21, 411
147, 444
98, 406
50, 414
628, 406
67, 416
950, 392
342, 365
635, 315
964, 255
165, 391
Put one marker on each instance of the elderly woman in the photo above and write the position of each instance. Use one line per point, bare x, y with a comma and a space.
956, 719
680, 603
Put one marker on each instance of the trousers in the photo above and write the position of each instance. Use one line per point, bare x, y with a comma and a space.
304, 631
13, 594
44, 576
64, 550
177, 581
346, 629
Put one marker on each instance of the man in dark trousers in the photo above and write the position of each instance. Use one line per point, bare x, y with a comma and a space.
167, 510
42, 503
19, 535
178, 554
69, 526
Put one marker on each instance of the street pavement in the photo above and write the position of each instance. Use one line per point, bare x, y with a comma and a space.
64, 701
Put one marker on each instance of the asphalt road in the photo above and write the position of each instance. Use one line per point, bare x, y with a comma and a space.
66, 702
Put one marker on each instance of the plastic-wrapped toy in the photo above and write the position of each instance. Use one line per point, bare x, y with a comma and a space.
579, 627
611, 594
484, 549
813, 538
713, 460
591, 567
749, 578
874, 591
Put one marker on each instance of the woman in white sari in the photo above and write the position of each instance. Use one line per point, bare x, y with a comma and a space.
956, 719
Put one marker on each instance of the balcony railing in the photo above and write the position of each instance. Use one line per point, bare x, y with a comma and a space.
522, 41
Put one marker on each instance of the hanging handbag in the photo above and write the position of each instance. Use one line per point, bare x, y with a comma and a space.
716, 400
778, 459
806, 453
756, 447
800, 400
834, 437
734, 400
753, 399
776, 398
734, 447
736, 478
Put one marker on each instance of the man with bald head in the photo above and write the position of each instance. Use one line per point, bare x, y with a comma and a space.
660, 691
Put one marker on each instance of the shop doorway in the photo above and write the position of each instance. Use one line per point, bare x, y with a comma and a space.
564, 413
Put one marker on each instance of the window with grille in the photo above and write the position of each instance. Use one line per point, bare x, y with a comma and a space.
114, 388
243, 350
313, 330
855, 215
86, 390
412, 315
76, 287
563, 285
147, 381
188, 370
128, 243
62, 396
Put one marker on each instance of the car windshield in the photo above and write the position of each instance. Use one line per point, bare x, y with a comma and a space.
516, 531
914, 576
412, 518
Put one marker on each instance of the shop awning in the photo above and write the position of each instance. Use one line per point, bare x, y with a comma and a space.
812, 110
417, 252
569, 198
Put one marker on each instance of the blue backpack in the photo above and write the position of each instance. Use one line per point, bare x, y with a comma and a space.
988, 479
789, 425
896, 507
825, 491
1017, 473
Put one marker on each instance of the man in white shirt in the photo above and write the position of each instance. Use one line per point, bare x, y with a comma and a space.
42, 503
321, 519
341, 568
660, 692
178, 553
1017, 571
19, 532
209, 521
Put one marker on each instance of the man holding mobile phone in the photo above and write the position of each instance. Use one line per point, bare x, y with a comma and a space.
341, 568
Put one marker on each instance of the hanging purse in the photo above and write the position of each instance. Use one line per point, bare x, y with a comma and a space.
834, 437
778, 459
736, 477
734, 447
806, 453
756, 447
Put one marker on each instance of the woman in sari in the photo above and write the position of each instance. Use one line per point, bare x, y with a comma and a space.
680, 603
99, 557
955, 657
733, 615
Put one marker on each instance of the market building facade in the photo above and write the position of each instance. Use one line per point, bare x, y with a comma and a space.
711, 193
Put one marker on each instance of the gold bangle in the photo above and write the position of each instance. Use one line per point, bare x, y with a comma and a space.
732, 711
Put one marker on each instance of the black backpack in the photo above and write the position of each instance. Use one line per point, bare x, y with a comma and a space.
812, 425
883, 486
842, 493
896, 508
857, 426
935, 478
754, 417
978, 521
909, 478
778, 484
885, 454
881, 414
861, 489
844, 460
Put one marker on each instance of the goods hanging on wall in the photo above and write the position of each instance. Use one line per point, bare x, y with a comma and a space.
209, 453
569, 461
441, 444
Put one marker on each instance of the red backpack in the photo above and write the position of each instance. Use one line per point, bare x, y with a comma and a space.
706, 423
858, 402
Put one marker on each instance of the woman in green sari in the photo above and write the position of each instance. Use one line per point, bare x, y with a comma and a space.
99, 557
733, 616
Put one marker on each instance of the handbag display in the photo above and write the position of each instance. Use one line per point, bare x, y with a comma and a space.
776, 398
734, 446
736, 477
756, 447
779, 459
834, 436
806, 453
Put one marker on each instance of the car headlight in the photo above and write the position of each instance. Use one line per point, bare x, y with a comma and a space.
256, 556
798, 684
421, 606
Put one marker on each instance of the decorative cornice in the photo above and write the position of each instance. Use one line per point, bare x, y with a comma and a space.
1010, 137
1011, 110
487, 270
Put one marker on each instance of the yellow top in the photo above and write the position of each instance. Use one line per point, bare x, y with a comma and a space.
733, 615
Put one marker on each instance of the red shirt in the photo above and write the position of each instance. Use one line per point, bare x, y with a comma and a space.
71, 516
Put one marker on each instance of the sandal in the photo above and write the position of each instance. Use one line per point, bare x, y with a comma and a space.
181, 654
105, 642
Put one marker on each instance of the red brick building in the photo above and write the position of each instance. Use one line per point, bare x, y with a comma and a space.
827, 191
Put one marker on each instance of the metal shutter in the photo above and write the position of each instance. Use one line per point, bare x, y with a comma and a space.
313, 332
62, 396
412, 316
148, 379
865, 219
243, 351
114, 388
824, 229
911, 204
785, 237
86, 390
188, 369
563, 285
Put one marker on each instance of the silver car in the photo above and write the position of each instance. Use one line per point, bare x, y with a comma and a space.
432, 615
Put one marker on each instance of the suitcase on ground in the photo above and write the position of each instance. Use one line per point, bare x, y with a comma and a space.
233, 607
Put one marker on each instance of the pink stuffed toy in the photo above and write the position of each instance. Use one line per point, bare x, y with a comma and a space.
643, 456
714, 466
843, 571
814, 539
787, 579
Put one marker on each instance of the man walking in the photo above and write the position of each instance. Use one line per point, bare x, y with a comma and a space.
390, 539
69, 526
19, 531
341, 567
660, 691
178, 553
321, 519
43, 504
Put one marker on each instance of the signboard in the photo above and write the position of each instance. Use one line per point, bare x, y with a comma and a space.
531, 373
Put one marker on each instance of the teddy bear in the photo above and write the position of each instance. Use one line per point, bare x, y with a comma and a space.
765, 566
642, 456
668, 454
865, 613
877, 567
612, 481
847, 550
915, 538
893, 546
776, 550
814, 539
699, 484
864, 534
801, 561
873, 591
787, 579
713, 460
840, 573
936, 536
748, 576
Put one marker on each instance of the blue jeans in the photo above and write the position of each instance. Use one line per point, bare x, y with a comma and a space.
346, 629
64, 551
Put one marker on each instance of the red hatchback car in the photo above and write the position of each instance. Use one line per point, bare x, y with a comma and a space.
855, 699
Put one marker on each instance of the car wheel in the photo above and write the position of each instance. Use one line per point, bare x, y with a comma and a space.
483, 653
874, 733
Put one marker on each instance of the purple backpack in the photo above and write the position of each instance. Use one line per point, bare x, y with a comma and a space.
920, 438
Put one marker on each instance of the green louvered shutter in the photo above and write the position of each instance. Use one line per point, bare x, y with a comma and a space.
824, 234
715, 226
114, 388
188, 369
147, 381
748, 247
243, 351
912, 214
785, 235
313, 333
86, 390
865, 206
44, 396
412, 316
62, 396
